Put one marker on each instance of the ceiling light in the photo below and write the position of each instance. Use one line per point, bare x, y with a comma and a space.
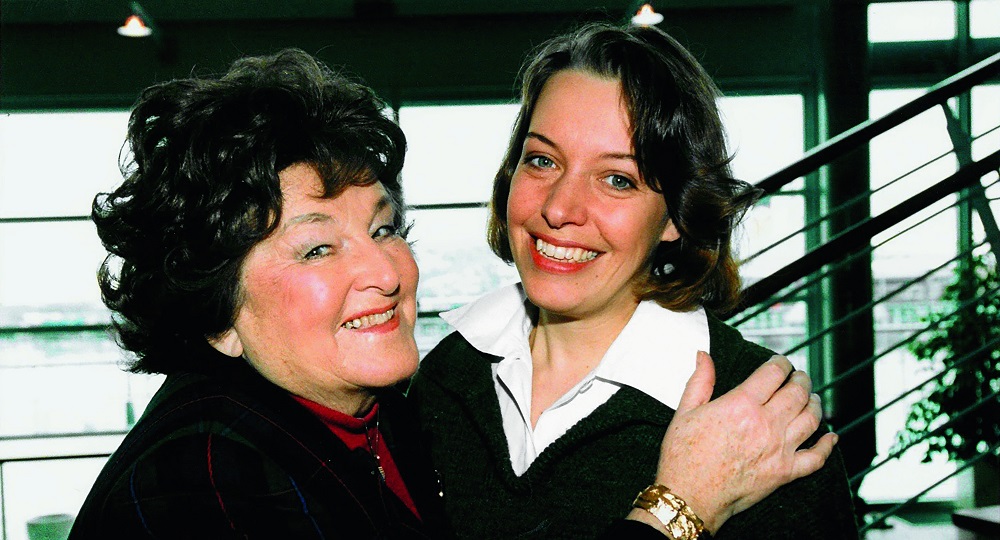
646, 16
134, 27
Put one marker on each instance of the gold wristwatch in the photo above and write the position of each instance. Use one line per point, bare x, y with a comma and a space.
678, 518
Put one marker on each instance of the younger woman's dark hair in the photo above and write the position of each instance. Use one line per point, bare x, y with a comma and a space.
680, 149
202, 188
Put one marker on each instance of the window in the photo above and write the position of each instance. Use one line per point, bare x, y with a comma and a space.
911, 21
765, 134
983, 18
986, 140
918, 151
51, 314
59, 372
454, 152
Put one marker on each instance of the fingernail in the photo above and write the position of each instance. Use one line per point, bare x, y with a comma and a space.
835, 438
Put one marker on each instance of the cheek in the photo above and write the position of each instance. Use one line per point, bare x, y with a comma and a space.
406, 265
637, 230
307, 300
522, 202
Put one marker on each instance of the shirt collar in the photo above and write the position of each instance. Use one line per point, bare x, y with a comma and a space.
498, 323
655, 352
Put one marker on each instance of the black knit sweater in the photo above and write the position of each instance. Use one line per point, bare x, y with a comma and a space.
588, 477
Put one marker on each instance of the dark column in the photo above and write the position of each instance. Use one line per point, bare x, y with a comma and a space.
845, 87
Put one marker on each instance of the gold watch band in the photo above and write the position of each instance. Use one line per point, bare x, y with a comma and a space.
678, 518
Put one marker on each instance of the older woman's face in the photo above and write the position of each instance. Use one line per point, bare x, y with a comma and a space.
330, 297
582, 223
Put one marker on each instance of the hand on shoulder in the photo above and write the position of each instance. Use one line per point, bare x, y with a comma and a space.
723, 456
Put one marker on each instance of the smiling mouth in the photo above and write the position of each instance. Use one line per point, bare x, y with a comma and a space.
370, 320
564, 254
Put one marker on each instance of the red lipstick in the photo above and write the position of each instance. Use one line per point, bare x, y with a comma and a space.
554, 266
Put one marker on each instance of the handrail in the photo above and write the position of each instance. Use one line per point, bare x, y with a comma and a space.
962, 360
892, 511
856, 237
860, 134
28, 459
936, 432
826, 272
842, 207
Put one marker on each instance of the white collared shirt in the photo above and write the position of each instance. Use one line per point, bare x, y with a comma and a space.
654, 353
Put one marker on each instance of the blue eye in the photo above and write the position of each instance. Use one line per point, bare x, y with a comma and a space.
541, 162
619, 182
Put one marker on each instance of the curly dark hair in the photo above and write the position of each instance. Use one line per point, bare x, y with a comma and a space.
680, 149
202, 188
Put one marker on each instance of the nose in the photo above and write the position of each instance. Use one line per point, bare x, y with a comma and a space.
565, 202
376, 269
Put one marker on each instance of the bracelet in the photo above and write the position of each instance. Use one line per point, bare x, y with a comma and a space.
675, 514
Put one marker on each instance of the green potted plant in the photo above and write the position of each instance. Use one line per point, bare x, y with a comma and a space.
962, 341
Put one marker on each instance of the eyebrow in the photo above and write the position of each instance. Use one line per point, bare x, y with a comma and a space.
319, 217
312, 217
609, 155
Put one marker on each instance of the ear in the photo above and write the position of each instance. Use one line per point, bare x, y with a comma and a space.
669, 232
227, 343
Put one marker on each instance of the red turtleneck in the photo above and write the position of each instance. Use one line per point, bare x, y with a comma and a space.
363, 433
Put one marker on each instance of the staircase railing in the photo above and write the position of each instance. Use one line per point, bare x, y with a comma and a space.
966, 187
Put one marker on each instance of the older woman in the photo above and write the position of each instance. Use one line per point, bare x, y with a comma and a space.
616, 204
258, 259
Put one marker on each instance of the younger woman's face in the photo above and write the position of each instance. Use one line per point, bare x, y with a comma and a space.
583, 224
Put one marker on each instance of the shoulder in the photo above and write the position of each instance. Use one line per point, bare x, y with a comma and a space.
223, 485
735, 358
187, 412
452, 355
166, 468
238, 408
452, 372
453, 347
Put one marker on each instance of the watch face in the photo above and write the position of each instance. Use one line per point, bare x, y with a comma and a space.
676, 516
663, 512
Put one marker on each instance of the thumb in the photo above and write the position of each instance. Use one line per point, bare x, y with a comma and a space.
698, 389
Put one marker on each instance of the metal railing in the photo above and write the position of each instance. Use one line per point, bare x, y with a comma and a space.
967, 189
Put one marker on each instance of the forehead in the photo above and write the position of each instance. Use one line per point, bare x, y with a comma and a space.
300, 180
302, 190
579, 106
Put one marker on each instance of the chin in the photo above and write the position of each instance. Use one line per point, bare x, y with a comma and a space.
553, 299
403, 365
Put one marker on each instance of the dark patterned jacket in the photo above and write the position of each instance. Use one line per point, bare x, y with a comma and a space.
588, 477
226, 454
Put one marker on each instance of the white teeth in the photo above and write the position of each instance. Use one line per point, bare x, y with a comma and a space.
369, 320
564, 253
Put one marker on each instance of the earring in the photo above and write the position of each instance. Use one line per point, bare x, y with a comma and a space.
663, 270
